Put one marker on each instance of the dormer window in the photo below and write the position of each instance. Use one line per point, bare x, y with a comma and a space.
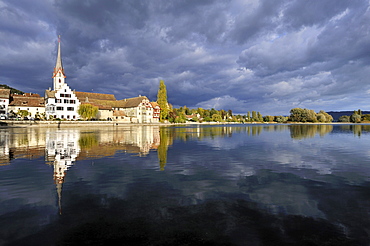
24, 102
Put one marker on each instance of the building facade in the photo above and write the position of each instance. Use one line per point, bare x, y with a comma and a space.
31, 103
4, 102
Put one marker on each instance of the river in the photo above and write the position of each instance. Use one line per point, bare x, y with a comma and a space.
185, 185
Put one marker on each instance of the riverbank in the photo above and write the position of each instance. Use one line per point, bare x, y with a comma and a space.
28, 123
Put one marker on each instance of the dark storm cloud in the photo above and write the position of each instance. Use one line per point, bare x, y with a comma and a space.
260, 55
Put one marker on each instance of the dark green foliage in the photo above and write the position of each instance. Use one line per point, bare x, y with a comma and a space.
162, 101
356, 117
308, 115
344, 118
12, 90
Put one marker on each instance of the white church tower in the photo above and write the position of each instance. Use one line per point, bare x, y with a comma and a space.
58, 74
61, 102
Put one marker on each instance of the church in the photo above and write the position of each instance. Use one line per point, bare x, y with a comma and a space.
61, 102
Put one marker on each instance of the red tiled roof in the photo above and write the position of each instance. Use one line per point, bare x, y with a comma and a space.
93, 96
132, 102
27, 101
101, 107
49, 94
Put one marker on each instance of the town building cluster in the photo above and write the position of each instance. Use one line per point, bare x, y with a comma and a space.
61, 102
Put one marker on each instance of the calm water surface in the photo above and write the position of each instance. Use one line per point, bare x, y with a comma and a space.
208, 185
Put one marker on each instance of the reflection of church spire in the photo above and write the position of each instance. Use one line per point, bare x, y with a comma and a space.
59, 186
62, 150
60, 170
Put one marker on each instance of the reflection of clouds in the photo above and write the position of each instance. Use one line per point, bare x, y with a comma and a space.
223, 143
327, 150
280, 193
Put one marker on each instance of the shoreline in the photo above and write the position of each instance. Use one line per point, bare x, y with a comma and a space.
11, 123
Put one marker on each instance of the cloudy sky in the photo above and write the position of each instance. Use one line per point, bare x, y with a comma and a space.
263, 55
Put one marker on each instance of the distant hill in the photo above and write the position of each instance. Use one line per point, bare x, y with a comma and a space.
337, 114
12, 90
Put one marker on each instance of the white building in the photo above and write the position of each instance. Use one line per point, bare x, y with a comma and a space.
30, 102
61, 102
4, 102
139, 109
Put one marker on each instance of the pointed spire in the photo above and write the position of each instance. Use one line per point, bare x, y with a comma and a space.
59, 191
58, 65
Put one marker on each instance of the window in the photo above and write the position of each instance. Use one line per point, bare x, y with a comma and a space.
67, 116
59, 100
70, 108
66, 101
62, 116
72, 101
60, 108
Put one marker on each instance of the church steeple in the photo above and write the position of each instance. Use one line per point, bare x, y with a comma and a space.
58, 74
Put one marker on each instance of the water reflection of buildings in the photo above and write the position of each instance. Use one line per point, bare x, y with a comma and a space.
132, 139
65, 146
27, 143
4, 148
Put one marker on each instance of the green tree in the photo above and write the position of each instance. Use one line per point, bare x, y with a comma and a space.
23, 113
259, 117
254, 116
344, 118
366, 117
355, 117
216, 118
268, 118
281, 119
162, 101
87, 111
200, 111
322, 116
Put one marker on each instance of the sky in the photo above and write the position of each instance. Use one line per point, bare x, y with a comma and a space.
245, 55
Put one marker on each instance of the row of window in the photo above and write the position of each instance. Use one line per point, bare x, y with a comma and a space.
68, 108
68, 117
66, 101
65, 95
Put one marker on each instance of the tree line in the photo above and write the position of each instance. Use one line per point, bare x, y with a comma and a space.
356, 117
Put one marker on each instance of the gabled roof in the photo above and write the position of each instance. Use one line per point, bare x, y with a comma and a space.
154, 104
4, 93
49, 94
93, 96
27, 101
101, 107
132, 102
